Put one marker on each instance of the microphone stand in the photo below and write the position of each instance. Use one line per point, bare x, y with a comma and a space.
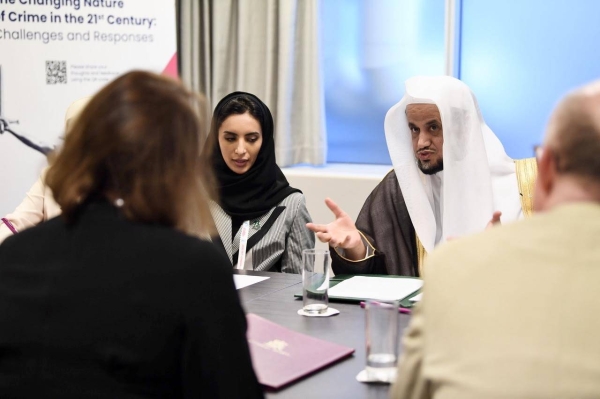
4, 127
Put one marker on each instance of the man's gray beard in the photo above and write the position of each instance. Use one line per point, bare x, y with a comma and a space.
431, 169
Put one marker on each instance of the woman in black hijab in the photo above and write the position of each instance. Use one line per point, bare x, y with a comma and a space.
252, 188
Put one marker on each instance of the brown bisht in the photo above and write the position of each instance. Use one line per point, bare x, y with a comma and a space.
386, 225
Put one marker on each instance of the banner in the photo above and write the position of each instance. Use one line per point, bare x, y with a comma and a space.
53, 52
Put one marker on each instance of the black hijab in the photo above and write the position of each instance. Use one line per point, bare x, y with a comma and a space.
254, 193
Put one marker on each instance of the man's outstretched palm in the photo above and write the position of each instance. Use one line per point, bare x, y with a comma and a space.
340, 233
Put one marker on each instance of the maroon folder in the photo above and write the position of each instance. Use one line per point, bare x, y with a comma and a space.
281, 356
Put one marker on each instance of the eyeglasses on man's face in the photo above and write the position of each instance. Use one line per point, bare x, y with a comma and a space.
538, 151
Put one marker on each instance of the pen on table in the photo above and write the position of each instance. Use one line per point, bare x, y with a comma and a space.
400, 309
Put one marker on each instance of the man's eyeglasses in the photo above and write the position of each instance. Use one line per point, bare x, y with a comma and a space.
538, 151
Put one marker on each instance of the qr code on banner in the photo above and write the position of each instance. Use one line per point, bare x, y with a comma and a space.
56, 72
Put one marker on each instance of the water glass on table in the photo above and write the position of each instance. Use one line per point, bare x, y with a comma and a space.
381, 322
315, 280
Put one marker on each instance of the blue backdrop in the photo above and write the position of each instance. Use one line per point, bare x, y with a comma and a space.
519, 57
369, 48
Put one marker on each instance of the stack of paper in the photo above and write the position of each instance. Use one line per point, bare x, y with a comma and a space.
242, 280
378, 288
416, 298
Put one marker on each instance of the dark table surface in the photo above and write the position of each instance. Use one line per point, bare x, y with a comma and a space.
274, 300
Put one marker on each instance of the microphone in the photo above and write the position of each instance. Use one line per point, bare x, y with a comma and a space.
44, 149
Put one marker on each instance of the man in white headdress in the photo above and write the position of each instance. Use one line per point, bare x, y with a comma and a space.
451, 178
518, 317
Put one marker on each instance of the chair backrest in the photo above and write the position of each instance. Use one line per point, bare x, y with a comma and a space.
526, 175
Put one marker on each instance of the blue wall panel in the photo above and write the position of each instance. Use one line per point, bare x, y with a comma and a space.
519, 57
369, 48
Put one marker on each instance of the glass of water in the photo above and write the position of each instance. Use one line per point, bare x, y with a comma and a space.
315, 280
382, 339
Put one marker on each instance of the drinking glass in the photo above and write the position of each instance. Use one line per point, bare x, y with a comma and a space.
315, 280
382, 339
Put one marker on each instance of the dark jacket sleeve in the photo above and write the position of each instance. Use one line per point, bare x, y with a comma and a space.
216, 359
386, 225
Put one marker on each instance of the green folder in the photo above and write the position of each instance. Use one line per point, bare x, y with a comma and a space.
404, 302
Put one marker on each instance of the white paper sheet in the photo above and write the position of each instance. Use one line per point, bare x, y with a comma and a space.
416, 298
242, 281
381, 288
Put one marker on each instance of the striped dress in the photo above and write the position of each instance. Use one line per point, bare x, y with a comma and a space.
275, 240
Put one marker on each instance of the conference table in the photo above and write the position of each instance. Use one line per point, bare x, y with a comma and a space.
274, 300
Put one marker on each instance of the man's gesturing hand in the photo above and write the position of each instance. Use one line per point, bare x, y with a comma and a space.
340, 233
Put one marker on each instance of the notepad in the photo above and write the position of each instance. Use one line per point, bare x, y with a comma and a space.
241, 280
379, 288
